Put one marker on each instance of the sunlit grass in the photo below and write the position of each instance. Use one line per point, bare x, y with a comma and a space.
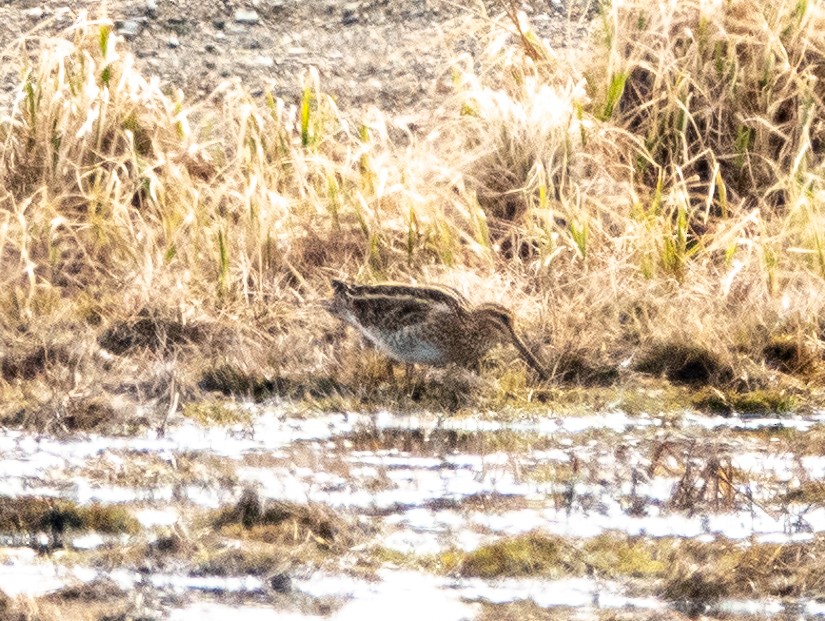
679, 571
32, 515
657, 192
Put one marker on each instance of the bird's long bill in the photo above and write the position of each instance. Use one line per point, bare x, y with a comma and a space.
528, 356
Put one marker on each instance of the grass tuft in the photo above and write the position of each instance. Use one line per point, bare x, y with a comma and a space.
750, 403
527, 555
682, 363
31, 515
691, 574
284, 523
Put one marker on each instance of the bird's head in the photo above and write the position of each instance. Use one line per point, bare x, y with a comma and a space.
498, 321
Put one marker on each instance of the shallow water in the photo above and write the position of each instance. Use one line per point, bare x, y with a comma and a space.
572, 477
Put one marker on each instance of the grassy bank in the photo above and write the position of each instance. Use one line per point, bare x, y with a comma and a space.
648, 205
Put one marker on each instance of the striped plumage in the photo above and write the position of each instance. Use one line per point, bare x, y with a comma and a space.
431, 325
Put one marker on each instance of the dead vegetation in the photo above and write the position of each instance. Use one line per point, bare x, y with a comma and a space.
650, 207
652, 212
526, 610
529, 555
285, 524
441, 441
687, 572
54, 518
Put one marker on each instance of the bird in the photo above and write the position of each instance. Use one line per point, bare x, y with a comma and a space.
429, 325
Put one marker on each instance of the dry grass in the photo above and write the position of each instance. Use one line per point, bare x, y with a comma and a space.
528, 555
92, 601
441, 441
29, 516
526, 610
680, 571
653, 205
244, 561
287, 524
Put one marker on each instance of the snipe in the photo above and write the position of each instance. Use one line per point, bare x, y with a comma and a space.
427, 325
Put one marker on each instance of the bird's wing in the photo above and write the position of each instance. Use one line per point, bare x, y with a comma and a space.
437, 294
396, 311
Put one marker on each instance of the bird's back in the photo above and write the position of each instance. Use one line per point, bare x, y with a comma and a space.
409, 323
